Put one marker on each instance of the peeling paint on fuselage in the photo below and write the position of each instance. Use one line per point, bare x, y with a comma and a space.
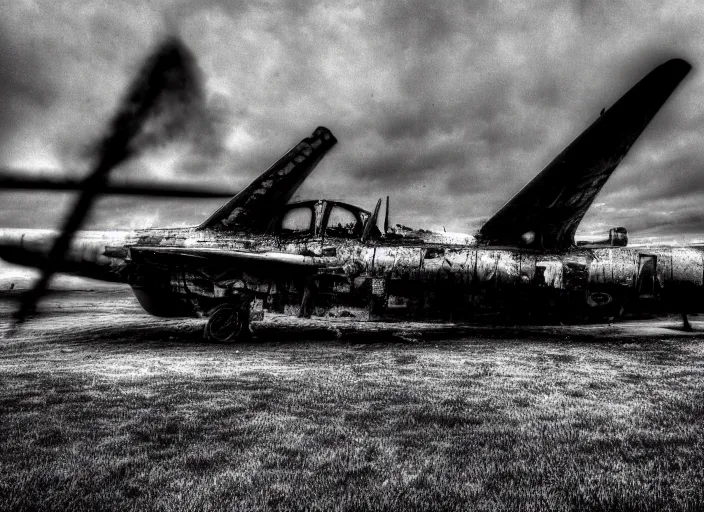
417, 278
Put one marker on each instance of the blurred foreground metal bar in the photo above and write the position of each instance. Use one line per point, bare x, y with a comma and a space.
11, 181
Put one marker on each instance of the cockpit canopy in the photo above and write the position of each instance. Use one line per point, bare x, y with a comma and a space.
320, 218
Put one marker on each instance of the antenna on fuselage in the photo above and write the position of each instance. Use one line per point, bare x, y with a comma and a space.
371, 222
386, 216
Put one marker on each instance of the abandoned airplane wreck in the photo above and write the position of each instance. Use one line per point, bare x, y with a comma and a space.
325, 271
329, 258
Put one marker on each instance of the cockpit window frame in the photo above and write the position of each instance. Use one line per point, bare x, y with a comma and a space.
359, 222
291, 233
320, 215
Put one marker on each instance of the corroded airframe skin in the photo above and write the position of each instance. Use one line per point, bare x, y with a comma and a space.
524, 261
379, 279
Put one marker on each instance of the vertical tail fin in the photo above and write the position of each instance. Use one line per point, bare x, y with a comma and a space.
546, 212
253, 208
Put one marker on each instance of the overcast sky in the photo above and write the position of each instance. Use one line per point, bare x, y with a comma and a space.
448, 107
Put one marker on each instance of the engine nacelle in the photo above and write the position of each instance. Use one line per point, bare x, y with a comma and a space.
618, 237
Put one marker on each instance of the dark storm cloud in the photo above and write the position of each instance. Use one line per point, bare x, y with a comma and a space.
449, 107
673, 178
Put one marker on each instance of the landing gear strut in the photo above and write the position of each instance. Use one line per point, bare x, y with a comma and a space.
307, 303
229, 321
686, 326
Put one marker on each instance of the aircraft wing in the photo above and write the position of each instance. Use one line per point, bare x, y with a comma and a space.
253, 208
546, 212
270, 262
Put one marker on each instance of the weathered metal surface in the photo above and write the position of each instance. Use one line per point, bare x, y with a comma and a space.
486, 266
527, 268
508, 269
600, 269
429, 278
328, 257
460, 266
549, 273
687, 266
624, 267
575, 276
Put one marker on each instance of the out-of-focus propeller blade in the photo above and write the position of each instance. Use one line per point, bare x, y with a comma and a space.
15, 182
164, 97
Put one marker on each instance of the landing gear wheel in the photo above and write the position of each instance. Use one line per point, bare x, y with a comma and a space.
605, 306
223, 324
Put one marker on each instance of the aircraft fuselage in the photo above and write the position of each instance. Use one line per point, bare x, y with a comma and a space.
187, 272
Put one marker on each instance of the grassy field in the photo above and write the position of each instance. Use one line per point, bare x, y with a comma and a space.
157, 420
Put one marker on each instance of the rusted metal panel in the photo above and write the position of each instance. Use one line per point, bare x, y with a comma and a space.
383, 260
527, 268
624, 267
575, 272
486, 266
613, 266
687, 266
294, 247
461, 264
395, 262
407, 263
548, 273
435, 265
508, 268
663, 270
364, 258
601, 268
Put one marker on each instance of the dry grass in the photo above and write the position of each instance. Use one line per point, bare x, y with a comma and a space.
101, 422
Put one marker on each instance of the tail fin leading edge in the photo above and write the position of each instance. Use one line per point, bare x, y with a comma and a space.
253, 208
